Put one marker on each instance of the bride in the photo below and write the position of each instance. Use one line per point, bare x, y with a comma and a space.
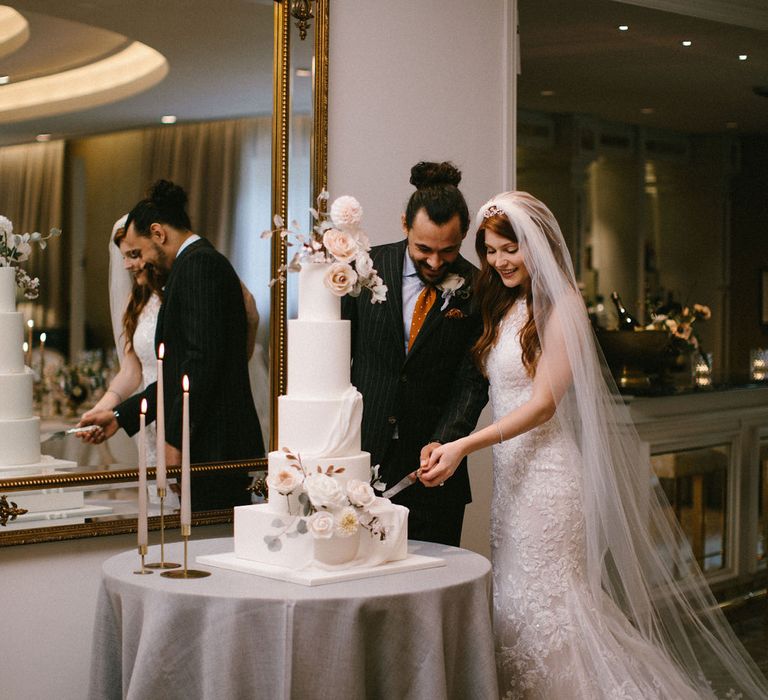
596, 593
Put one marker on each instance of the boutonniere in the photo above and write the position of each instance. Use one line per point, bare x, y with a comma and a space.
453, 285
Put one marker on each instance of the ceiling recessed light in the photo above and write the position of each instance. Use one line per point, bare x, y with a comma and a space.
731, 125
303, 73
43, 137
5, 79
168, 119
687, 42
743, 57
547, 93
647, 110
623, 27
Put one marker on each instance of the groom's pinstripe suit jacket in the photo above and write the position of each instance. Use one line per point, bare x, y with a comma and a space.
203, 325
433, 393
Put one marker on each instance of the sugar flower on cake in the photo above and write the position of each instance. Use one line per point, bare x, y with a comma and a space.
324, 492
336, 238
285, 482
322, 525
347, 523
360, 493
16, 248
341, 278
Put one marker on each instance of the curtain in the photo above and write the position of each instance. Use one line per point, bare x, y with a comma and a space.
31, 197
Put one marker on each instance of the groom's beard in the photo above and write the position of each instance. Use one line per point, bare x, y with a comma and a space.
421, 265
162, 261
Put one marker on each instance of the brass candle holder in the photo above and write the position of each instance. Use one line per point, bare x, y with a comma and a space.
185, 572
162, 564
142, 553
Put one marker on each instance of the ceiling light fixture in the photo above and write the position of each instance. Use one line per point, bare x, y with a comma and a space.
743, 57
303, 73
623, 27
168, 119
42, 138
5, 79
731, 125
687, 42
547, 93
647, 110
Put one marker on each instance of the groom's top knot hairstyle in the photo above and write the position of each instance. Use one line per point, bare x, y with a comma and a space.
437, 192
165, 203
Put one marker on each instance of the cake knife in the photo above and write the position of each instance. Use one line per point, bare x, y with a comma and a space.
404, 483
44, 437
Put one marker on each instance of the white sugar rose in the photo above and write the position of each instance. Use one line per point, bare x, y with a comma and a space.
325, 492
360, 493
363, 264
340, 279
346, 211
340, 244
322, 525
284, 482
347, 523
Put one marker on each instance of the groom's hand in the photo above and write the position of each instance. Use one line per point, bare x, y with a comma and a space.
107, 426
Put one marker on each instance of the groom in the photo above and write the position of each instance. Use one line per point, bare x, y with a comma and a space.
202, 323
410, 357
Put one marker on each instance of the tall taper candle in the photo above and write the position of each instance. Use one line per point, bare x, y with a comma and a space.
186, 510
142, 522
160, 421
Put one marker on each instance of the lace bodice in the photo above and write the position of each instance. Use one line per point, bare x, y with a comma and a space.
144, 347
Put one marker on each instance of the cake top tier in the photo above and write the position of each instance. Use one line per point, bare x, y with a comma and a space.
316, 301
7, 289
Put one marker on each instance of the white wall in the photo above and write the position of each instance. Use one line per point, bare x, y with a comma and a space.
426, 80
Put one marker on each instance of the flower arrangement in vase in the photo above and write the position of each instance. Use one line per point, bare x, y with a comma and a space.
15, 248
338, 240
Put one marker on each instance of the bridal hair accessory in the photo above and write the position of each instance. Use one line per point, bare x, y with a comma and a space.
493, 210
338, 239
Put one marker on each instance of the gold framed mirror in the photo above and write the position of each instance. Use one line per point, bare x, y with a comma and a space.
292, 99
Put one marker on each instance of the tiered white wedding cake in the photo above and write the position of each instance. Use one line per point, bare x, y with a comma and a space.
19, 427
322, 511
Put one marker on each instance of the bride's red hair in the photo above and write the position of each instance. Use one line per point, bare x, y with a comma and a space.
495, 299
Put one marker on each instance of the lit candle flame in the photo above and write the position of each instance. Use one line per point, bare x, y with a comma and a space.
161, 351
144, 406
30, 323
25, 346
43, 337
185, 383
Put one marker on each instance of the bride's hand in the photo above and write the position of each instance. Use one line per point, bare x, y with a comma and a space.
443, 462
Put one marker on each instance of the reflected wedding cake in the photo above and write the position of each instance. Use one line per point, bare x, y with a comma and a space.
322, 511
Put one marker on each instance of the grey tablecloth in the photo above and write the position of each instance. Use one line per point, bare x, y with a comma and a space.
420, 635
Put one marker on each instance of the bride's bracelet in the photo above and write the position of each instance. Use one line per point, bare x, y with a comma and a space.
501, 436
112, 391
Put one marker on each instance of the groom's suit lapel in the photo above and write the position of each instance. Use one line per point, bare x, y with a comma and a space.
160, 334
392, 273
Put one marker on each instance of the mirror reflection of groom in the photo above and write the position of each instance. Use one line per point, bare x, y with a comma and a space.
410, 355
202, 323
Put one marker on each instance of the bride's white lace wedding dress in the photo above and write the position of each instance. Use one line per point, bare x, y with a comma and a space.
554, 641
144, 347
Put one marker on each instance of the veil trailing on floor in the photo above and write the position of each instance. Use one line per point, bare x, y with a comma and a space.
637, 557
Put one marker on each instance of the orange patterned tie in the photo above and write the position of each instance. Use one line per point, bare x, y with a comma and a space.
423, 305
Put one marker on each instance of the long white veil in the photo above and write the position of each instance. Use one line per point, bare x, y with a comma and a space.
637, 557
120, 284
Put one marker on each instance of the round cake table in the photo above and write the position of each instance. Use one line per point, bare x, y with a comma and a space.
418, 635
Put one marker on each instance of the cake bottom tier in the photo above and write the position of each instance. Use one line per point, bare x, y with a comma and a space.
266, 536
20, 441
